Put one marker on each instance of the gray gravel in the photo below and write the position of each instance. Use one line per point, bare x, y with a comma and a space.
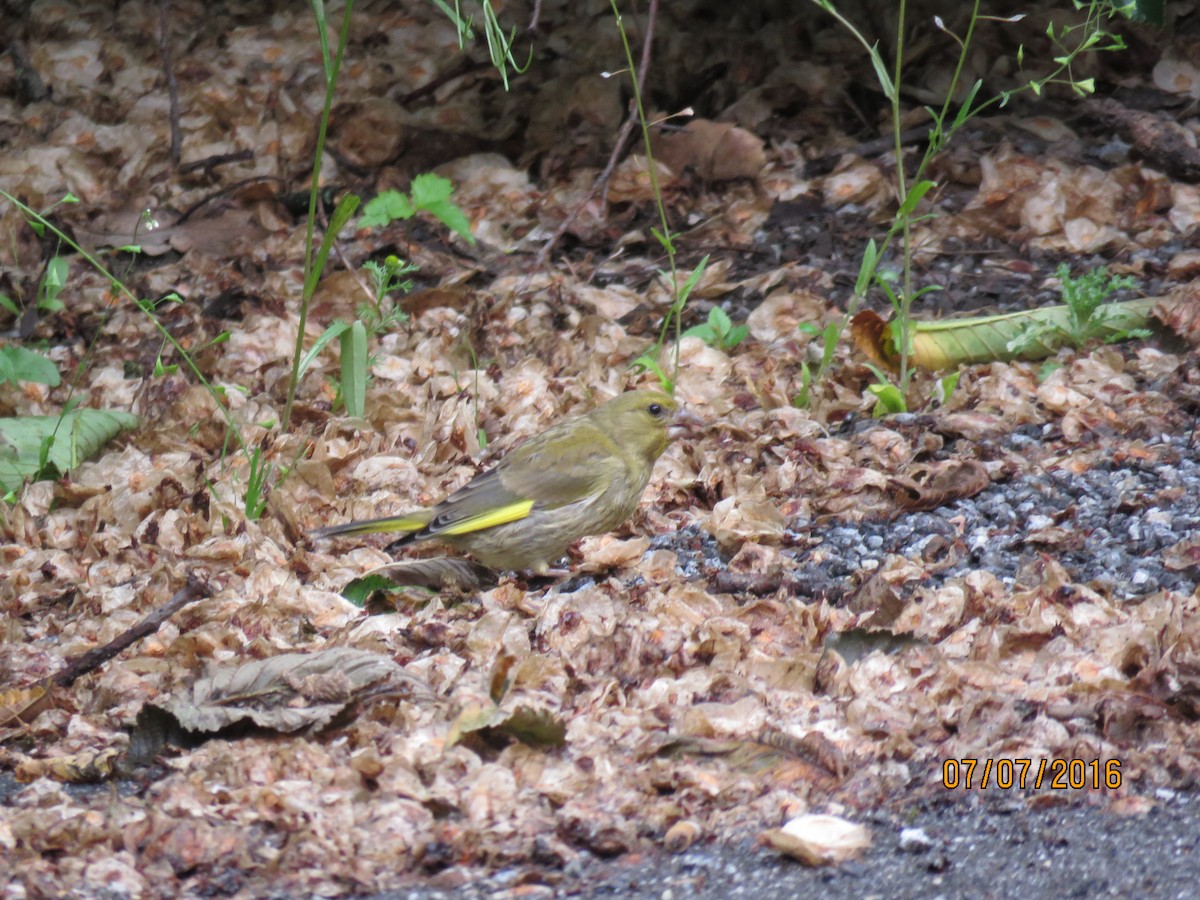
954, 849
1108, 526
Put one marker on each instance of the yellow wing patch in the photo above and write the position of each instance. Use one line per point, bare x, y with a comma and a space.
490, 519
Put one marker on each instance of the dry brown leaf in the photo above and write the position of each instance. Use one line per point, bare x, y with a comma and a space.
1180, 311
1183, 555
369, 133
23, 704
940, 484
287, 692
87, 767
817, 840
715, 151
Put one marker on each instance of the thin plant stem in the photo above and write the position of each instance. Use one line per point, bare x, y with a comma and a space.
331, 74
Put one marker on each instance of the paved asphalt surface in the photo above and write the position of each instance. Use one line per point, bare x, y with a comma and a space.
997, 850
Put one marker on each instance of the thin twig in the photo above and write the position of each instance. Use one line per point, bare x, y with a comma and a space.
220, 159
195, 589
228, 189
164, 48
600, 185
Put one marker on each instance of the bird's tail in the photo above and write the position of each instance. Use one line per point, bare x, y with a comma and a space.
408, 523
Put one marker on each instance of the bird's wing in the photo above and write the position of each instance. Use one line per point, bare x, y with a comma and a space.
551, 470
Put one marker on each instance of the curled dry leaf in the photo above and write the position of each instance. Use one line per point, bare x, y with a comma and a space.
23, 704
1164, 143
287, 692
819, 840
681, 835
1180, 311
87, 767
738, 519
631, 181
1178, 76
857, 181
606, 552
534, 727
943, 483
1183, 555
370, 133
715, 151
778, 315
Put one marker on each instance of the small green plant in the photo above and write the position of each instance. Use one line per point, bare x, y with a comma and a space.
387, 278
649, 361
498, 43
829, 341
429, 193
256, 485
54, 279
719, 331
672, 322
1069, 43
374, 318
316, 256
86, 418
1090, 316
52, 285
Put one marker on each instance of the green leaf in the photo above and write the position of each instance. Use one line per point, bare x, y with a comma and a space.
359, 590
8, 303
256, 482
430, 189
32, 444
692, 280
385, 209
719, 320
832, 332
55, 279
664, 239
341, 215
866, 270
704, 331
354, 370
888, 399
735, 336
647, 363
915, 194
964, 111
432, 193
802, 399
21, 364
333, 331
881, 72
453, 218
944, 387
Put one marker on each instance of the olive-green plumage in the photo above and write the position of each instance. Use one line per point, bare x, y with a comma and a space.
583, 476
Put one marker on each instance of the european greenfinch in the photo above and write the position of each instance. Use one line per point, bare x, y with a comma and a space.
583, 476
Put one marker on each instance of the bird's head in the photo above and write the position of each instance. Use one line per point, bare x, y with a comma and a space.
639, 421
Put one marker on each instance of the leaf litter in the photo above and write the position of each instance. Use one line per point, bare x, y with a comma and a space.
1012, 575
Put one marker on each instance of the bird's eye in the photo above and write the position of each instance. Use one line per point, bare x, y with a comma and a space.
656, 410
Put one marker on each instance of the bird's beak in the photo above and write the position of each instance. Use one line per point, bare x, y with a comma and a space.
685, 423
